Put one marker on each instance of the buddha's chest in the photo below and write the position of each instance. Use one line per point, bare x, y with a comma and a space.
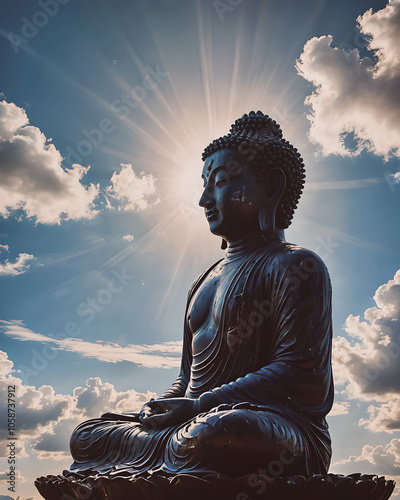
212, 300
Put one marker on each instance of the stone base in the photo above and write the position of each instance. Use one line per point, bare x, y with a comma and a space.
216, 487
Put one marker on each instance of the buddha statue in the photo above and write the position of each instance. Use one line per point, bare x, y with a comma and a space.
255, 383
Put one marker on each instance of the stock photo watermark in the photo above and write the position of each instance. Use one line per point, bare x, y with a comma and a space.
360, 41
11, 439
31, 26
261, 311
221, 7
121, 107
382, 361
89, 308
86, 311
258, 483
392, 179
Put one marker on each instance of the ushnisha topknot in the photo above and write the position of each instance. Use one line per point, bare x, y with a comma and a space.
259, 138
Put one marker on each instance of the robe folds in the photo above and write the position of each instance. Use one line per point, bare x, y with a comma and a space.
264, 382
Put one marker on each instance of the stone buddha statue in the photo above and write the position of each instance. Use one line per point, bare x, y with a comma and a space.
255, 382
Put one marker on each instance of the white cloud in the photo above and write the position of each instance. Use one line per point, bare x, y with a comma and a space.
339, 408
128, 237
354, 95
373, 460
383, 418
165, 355
19, 478
133, 191
385, 459
91, 401
3, 247
19, 266
4, 477
395, 178
369, 361
31, 176
98, 397
46, 419
6, 366
38, 409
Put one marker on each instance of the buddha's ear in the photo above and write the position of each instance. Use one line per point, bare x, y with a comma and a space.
275, 183
274, 188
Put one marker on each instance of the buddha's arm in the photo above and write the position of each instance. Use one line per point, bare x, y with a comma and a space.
178, 388
297, 375
172, 407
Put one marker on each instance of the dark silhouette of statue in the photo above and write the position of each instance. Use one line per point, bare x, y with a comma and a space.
246, 415
255, 383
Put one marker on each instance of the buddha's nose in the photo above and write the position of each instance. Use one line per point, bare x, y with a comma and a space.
205, 200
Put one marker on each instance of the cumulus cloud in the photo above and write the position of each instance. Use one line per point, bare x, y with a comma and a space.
19, 266
128, 237
91, 401
6, 365
339, 408
385, 417
356, 98
38, 409
46, 419
4, 477
395, 178
135, 192
165, 355
31, 176
368, 362
384, 459
98, 397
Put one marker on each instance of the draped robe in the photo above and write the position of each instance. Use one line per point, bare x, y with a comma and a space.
263, 380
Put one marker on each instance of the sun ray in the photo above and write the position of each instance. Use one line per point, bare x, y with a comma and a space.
185, 123
234, 79
206, 70
348, 238
175, 274
352, 184
143, 69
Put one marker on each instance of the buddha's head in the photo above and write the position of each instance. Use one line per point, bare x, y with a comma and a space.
253, 180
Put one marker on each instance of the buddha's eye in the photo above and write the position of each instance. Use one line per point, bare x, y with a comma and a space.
222, 178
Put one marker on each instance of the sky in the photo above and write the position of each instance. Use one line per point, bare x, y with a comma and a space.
105, 109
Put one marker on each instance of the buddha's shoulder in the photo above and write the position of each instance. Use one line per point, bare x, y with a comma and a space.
201, 278
284, 255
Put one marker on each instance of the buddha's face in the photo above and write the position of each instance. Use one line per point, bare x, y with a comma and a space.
232, 196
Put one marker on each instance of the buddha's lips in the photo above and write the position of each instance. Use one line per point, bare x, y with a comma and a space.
211, 214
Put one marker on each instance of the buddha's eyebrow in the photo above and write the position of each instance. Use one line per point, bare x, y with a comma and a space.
212, 173
208, 167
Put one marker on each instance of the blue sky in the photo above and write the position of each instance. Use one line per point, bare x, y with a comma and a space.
105, 110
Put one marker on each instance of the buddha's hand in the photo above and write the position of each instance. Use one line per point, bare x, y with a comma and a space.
166, 412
